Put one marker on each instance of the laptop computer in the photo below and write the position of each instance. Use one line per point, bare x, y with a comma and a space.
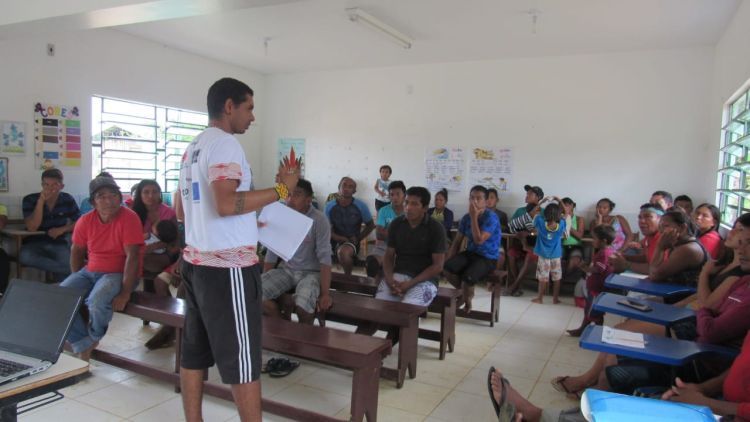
34, 320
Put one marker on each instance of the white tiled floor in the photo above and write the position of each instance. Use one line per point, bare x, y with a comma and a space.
529, 345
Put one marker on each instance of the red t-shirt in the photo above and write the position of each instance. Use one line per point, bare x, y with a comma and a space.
737, 383
649, 244
730, 320
105, 243
711, 241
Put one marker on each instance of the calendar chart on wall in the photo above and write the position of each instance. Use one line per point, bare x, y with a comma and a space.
57, 136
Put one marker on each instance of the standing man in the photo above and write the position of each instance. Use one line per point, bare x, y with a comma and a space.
220, 272
308, 272
55, 213
347, 214
415, 254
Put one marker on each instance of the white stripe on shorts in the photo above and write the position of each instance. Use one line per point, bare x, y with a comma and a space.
240, 322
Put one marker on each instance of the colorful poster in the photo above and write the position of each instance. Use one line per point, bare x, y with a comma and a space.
491, 167
13, 140
292, 151
57, 136
444, 168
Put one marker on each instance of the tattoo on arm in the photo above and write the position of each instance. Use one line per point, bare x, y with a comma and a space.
239, 203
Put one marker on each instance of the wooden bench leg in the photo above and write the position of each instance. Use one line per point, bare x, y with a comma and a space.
365, 385
407, 352
448, 328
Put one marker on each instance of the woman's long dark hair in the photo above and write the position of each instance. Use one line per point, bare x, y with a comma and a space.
138, 206
714, 213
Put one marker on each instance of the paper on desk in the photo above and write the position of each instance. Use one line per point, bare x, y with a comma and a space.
282, 229
623, 338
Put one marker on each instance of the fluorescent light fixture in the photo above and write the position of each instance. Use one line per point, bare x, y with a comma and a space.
360, 16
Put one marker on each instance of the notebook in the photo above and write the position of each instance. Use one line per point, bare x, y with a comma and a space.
34, 320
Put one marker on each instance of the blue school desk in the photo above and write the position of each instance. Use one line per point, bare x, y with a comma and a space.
603, 406
658, 349
621, 282
666, 315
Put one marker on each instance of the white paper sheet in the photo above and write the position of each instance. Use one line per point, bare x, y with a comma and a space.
623, 338
282, 229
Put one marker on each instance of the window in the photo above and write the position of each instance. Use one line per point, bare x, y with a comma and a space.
733, 193
135, 141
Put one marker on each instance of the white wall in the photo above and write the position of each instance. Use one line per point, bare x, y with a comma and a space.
110, 63
731, 73
618, 125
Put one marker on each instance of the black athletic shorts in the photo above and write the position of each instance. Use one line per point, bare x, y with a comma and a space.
223, 321
470, 267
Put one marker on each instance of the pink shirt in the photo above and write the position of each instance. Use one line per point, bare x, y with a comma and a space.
165, 213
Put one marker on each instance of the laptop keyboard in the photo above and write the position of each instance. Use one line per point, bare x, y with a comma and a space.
8, 367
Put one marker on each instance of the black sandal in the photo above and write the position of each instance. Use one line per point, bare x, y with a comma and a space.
271, 365
505, 411
283, 368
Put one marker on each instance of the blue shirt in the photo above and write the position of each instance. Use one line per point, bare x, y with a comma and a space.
488, 222
548, 243
386, 215
65, 211
347, 221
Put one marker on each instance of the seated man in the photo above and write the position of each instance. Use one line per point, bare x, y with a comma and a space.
309, 270
386, 214
111, 237
415, 254
481, 227
55, 213
347, 214
662, 198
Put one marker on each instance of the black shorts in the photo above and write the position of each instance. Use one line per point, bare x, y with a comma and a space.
223, 322
470, 267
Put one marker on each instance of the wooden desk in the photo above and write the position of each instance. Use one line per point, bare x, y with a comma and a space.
18, 235
67, 371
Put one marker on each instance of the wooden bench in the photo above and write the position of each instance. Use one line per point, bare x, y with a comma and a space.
362, 354
354, 309
443, 304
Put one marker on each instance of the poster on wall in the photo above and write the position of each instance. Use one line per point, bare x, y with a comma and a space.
13, 137
4, 177
444, 168
491, 167
57, 136
292, 151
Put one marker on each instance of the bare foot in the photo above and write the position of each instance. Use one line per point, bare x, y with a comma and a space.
555, 301
86, 354
571, 385
537, 300
497, 385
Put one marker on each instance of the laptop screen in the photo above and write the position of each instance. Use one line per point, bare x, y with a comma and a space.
35, 318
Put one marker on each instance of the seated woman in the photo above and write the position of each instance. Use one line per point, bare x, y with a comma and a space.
677, 257
440, 212
719, 308
707, 218
624, 235
147, 203
572, 247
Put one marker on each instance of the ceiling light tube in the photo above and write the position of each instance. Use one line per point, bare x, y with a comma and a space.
358, 15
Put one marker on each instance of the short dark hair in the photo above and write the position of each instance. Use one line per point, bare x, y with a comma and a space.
397, 184
683, 198
443, 192
568, 201
608, 201
479, 188
492, 190
52, 174
552, 212
422, 193
744, 219
306, 187
341, 182
386, 167
664, 194
604, 232
221, 91
167, 231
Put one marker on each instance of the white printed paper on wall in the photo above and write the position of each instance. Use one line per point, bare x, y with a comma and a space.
444, 168
491, 167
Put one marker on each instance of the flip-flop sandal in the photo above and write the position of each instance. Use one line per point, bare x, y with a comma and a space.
505, 411
284, 368
558, 383
271, 365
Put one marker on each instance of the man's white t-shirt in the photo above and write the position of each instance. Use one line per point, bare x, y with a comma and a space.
213, 240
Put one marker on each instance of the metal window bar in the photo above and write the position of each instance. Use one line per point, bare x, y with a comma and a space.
733, 175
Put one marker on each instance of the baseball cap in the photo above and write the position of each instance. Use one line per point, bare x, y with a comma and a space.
102, 182
536, 189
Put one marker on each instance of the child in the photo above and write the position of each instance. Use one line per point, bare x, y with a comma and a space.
165, 231
381, 187
600, 269
550, 231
